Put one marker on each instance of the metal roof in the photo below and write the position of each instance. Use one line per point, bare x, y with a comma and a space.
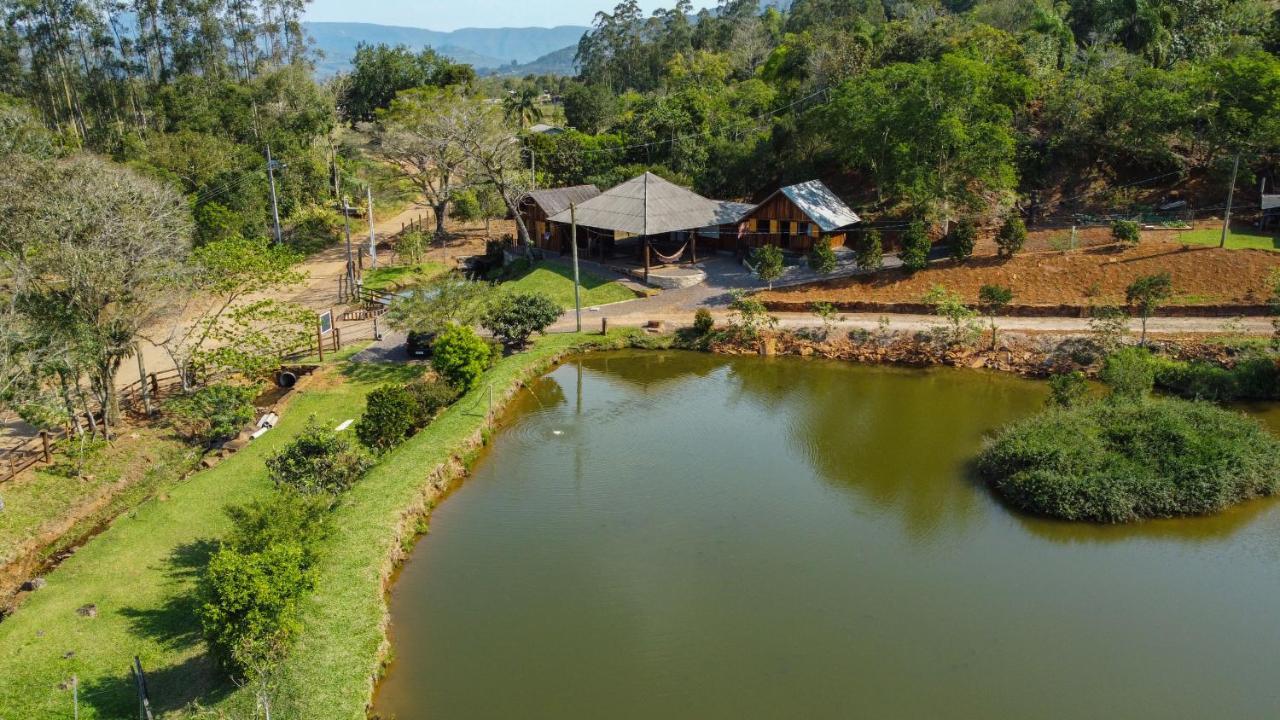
646, 205
553, 200
545, 129
1270, 202
819, 204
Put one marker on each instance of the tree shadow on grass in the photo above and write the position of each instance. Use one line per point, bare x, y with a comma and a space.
375, 372
173, 624
197, 679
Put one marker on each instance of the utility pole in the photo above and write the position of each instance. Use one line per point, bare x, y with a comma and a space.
1231, 191
573, 242
275, 208
533, 167
373, 243
351, 263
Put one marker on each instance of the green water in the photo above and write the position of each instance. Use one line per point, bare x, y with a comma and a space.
670, 535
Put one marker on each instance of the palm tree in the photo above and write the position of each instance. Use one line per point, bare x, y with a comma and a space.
522, 105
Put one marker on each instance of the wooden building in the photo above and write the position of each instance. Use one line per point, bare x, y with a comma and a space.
537, 206
795, 216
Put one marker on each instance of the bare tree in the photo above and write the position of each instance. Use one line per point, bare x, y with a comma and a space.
493, 157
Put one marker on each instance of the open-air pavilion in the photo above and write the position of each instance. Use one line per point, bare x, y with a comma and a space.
657, 218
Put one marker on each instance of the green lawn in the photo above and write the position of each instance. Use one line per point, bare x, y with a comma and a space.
402, 276
1236, 239
141, 572
556, 280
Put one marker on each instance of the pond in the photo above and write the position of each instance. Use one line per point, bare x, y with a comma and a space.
683, 535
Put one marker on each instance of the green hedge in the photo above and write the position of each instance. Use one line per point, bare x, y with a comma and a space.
1123, 460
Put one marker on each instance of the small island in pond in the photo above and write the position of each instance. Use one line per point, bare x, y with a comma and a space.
1125, 459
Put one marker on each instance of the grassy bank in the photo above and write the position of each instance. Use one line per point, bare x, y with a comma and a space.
402, 276
140, 573
1236, 239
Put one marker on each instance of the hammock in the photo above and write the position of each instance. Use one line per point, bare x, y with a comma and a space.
670, 259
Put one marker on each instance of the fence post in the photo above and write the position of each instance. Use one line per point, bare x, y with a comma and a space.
604, 326
319, 342
337, 339
155, 384
44, 442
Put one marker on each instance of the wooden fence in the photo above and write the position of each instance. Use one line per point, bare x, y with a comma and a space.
138, 398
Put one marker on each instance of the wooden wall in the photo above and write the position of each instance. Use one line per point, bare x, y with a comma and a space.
779, 222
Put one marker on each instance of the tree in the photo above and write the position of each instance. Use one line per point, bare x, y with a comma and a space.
1011, 238
218, 276
380, 71
936, 135
101, 277
768, 261
430, 308
961, 240
388, 418
822, 259
915, 247
317, 462
1125, 232
460, 356
750, 316
868, 252
421, 136
589, 107
521, 106
994, 299
1148, 293
513, 317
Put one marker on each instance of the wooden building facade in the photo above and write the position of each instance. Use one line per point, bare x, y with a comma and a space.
795, 217
537, 206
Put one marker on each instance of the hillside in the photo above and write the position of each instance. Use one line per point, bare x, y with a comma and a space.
484, 48
560, 62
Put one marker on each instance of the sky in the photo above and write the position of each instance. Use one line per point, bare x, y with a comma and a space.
454, 14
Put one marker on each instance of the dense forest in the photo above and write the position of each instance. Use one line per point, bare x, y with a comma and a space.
933, 109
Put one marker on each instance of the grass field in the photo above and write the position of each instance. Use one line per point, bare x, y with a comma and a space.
141, 573
1236, 239
556, 280
402, 276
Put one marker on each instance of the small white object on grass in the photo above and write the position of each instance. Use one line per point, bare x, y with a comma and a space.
260, 433
557, 432
345, 424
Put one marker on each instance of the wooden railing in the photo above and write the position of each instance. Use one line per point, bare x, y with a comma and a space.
137, 397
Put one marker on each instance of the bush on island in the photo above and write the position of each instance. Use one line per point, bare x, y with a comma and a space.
1128, 458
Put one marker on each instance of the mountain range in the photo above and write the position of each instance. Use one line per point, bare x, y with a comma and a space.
489, 50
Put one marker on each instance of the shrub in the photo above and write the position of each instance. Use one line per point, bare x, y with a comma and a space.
915, 247
868, 252
962, 239
513, 317
961, 328
767, 260
389, 417
1255, 378
702, 321
1109, 325
1148, 293
429, 398
1126, 232
822, 259
313, 228
750, 316
317, 462
1068, 389
1130, 373
212, 413
460, 356
252, 586
1011, 238
994, 299
411, 246
1122, 461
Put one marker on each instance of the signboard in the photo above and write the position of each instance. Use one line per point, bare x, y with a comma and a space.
326, 322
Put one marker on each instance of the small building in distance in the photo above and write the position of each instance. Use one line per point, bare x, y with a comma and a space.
545, 129
795, 216
538, 205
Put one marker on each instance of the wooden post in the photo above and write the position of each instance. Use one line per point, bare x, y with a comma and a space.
693, 247
646, 258
142, 382
155, 384
604, 326
319, 342
573, 241
337, 339
44, 442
